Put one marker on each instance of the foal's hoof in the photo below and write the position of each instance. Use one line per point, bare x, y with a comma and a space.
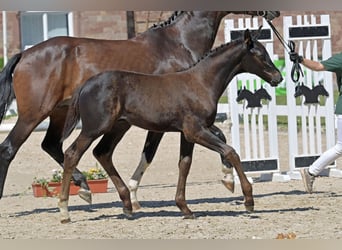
85, 195
65, 221
229, 184
189, 216
128, 213
249, 208
135, 205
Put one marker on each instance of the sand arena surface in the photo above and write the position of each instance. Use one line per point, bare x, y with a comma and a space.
280, 208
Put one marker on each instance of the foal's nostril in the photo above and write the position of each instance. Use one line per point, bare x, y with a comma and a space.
278, 79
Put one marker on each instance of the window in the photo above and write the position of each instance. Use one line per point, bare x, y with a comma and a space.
36, 27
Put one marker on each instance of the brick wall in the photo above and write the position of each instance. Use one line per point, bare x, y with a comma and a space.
101, 24
13, 37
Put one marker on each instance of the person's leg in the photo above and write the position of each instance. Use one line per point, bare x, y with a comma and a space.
308, 175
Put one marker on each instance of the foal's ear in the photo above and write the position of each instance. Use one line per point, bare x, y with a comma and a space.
257, 34
248, 39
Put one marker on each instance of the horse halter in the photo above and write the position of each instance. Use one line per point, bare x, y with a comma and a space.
296, 70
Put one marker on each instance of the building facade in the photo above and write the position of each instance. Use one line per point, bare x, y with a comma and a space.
24, 29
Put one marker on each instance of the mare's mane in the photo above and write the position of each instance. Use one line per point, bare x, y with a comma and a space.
169, 21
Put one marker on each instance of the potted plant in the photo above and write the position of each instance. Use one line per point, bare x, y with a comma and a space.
48, 187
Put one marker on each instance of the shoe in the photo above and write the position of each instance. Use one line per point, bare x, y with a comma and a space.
308, 179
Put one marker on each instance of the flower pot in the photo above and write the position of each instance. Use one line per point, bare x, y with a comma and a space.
54, 188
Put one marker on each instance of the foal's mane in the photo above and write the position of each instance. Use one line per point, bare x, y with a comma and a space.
216, 50
169, 21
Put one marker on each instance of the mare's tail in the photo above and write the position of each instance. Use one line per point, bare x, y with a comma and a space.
73, 115
6, 87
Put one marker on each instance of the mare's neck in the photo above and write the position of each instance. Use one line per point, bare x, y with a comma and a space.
195, 31
198, 31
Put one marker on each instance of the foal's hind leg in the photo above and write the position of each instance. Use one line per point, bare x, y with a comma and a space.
104, 152
72, 156
227, 169
151, 144
52, 145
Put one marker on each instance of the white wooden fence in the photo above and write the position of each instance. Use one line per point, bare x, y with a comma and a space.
254, 131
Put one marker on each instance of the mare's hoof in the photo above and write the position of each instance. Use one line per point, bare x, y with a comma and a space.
189, 216
135, 205
249, 208
229, 184
85, 195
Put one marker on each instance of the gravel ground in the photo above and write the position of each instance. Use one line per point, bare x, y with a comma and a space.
282, 210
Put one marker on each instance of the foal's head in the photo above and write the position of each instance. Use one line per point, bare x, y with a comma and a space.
257, 61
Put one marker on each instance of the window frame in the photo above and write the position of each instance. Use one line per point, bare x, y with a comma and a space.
69, 27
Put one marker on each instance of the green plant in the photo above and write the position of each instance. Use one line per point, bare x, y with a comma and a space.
57, 175
95, 174
42, 181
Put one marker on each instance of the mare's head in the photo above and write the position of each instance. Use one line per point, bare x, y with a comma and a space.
257, 61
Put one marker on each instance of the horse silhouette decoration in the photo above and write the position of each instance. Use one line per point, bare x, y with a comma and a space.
43, 78
253, 99
185, 101
311, 95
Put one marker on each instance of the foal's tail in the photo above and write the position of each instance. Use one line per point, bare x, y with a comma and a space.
73, 115
6, 87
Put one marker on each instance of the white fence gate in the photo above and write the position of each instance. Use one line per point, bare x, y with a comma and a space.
311, 127
306, 121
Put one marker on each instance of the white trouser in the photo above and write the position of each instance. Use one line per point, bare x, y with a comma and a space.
331, 154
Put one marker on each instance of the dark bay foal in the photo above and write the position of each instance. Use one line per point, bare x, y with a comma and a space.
184, 101
43, 77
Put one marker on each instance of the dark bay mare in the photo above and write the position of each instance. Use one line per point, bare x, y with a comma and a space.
183, 102
46, 75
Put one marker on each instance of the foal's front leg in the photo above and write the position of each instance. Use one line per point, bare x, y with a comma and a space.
204, 137
227, 168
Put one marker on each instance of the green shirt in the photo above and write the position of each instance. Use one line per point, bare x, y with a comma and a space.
334, 64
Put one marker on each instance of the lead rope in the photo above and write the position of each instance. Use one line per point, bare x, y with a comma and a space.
296, 70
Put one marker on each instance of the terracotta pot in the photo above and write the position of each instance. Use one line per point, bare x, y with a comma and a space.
54, 188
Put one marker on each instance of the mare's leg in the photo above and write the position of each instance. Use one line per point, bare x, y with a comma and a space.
227, 169
184, 165
53, 146
104, 152
10, 146
151, 144
204, 137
